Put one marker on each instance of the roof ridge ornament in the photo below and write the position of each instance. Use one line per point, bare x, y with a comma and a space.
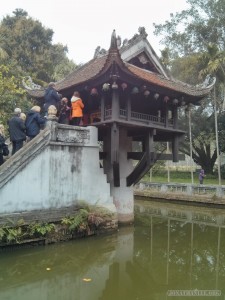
113, 40
208, 82
28, 84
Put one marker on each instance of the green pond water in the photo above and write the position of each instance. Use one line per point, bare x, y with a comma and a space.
171, 252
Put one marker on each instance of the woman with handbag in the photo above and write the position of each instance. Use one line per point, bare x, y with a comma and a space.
4, 151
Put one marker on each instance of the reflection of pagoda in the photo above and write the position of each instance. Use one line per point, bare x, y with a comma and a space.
129, 97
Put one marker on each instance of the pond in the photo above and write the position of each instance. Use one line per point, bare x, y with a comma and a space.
171, 252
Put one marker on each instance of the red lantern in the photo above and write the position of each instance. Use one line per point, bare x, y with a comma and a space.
124, 86
166, 99
146, 93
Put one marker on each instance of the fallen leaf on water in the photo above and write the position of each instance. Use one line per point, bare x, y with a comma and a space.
87, 279
48, 269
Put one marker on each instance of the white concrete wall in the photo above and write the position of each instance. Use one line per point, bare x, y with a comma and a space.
62, 174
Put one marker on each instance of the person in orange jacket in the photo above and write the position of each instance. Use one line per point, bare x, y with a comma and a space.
77, 109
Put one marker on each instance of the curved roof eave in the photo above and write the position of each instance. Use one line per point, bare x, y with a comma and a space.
98, 66
86, 72
172, 85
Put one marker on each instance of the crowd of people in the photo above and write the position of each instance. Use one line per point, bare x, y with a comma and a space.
24, 127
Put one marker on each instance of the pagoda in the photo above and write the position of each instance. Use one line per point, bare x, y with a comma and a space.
130, 97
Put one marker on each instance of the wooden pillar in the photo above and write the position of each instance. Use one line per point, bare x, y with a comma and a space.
175, 117
175, 148
115, 105
102, 108
166, 115
128, 108
115, 154
149, 144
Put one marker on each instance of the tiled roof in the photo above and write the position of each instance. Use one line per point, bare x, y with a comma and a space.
163, 82
82, 74
100, 64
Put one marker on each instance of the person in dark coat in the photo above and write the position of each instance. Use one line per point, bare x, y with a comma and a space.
2, 143
17, 131
33, 122
52, 97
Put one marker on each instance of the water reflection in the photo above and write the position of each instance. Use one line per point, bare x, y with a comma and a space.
170, 247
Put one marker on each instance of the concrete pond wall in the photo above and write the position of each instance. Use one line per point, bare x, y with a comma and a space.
51, 178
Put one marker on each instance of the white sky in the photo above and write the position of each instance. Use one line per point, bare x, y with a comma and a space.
83, 25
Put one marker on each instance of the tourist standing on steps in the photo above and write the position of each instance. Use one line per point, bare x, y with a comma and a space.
33, 122
17, 131
77, 109
52, 97
64, 112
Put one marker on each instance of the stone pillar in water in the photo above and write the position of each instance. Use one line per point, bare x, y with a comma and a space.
122, 195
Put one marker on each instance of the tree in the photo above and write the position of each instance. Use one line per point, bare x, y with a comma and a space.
194, 39
26, 49
11, 94
191, 30
29, 44
203, 137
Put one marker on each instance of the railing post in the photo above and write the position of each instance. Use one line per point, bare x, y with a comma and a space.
128, 108
166, 115
102, 108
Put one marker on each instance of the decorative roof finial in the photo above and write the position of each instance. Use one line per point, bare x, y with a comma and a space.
113, 40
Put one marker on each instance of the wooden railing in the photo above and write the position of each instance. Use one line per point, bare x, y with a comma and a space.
135, 116
178, 188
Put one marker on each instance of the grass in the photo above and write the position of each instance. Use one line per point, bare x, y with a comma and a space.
182, 177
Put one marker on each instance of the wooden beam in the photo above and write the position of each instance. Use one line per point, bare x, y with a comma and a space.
159, 156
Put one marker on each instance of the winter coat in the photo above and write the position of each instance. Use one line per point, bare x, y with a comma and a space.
17, 129
33, 123
2, 142
64, 114
51, 98
77, 107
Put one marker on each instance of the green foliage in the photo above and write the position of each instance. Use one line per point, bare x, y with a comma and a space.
195, 46
11, 232
33, 53
10, 93
40, 229
16, 233
87, 217
26, 49
191, 30
79, 221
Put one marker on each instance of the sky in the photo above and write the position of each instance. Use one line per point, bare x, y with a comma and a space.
82, 25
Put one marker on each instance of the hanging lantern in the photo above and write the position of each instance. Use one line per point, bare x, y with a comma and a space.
135, 90
156, 96
146, 93
94, 92
114, 86
143, 88
86, 88
124, 86
106, 87
175, 101
183, 103
166, 99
